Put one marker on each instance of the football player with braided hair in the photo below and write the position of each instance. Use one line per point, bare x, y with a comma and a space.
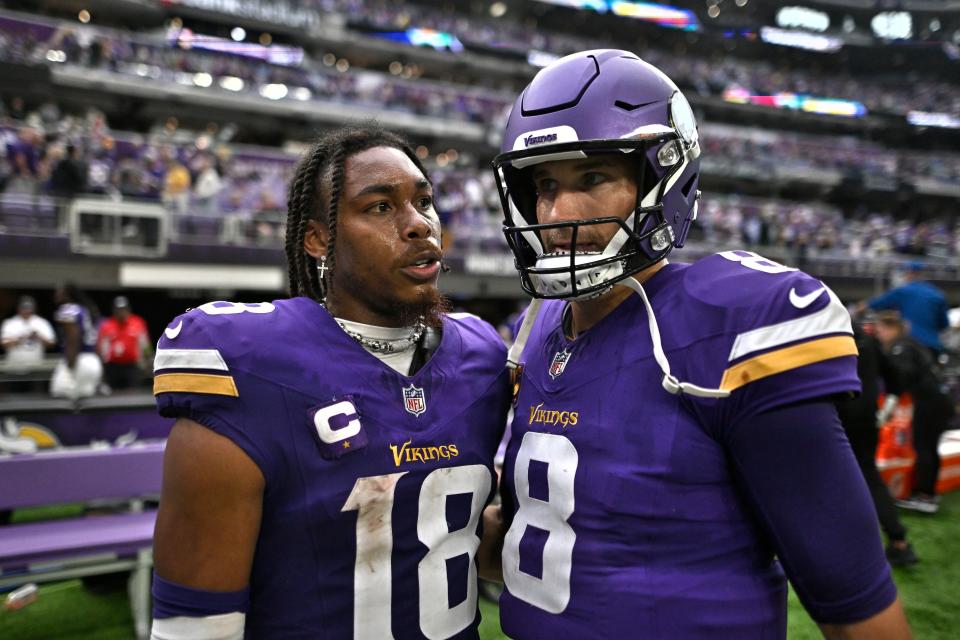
333, 451
675, 454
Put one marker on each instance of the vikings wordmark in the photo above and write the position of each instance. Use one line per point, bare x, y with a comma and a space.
406, 453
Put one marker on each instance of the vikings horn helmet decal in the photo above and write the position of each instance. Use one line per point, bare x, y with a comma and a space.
599, 102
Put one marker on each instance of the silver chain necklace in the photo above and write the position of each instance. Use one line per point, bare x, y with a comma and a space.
385, 346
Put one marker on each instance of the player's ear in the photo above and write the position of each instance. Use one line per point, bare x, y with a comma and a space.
315, 239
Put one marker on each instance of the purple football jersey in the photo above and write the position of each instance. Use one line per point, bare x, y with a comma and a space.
72, 313
375, 481
626, 518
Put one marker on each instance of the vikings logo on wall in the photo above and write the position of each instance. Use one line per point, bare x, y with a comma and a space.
414, 400
559, 363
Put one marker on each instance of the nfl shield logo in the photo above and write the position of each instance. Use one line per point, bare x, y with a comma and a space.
413, 400
559, 363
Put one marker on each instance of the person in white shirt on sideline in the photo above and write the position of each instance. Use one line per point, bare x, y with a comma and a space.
25, 337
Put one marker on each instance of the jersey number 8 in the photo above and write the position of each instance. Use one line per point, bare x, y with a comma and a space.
551, 591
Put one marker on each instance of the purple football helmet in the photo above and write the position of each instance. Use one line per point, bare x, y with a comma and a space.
604, 101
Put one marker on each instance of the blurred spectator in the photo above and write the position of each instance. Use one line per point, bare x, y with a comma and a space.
25, 338
17, 109
859, 417
67, 179
124, 346
914, 373
176, 184
921, 304
69, 175
24, 160
207, 187
79, 371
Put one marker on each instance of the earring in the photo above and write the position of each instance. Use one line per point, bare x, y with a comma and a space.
322, 269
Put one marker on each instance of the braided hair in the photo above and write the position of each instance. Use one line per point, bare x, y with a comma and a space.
323, 166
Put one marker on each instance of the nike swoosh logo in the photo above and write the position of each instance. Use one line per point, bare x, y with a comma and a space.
804, 301
173, 332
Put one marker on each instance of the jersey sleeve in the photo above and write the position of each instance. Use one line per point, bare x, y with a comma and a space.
68, 313
803, 483
783, 337
202, 378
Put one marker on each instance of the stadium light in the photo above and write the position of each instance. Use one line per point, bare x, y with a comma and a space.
231, 83
933, 119
301, 93
892, 25
202, 79
541, 58
800, 39
274, 91
802, 18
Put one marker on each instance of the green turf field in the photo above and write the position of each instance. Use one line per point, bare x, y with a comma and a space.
929, 590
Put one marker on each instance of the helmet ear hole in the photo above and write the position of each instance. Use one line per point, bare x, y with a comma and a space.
523, 191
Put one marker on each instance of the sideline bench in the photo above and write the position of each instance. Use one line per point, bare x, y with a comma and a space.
87, 545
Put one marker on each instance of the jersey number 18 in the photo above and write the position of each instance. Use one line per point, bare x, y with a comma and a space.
372, 499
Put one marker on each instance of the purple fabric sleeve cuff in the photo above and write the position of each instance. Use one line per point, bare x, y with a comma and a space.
171, 600
802, 480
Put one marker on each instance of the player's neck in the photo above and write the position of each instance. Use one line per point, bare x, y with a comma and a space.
587, 313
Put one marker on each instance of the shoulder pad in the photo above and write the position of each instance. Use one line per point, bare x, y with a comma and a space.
200, 348
475, 329
777, 318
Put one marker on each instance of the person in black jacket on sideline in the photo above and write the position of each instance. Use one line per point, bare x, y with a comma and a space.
916, 372
861, 421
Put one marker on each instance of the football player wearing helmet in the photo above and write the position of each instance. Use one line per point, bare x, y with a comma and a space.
675, 454
333, 451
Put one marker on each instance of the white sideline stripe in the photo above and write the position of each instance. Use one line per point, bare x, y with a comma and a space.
888, 463
189, 359
225, 626
949, 448
831, 319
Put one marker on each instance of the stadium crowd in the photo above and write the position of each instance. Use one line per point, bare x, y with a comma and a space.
706, 76
139, 57
215, 187
328, 79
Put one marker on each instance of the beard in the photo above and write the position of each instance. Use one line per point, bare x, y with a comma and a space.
431, 306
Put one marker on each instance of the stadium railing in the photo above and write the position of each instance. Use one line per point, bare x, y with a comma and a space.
86, 545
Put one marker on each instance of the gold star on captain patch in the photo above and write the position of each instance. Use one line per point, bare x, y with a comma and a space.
346, 444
